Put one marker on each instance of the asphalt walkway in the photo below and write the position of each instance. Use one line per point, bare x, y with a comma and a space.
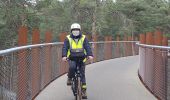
115, 79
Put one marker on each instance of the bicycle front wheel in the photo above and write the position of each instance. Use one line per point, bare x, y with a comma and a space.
79, 89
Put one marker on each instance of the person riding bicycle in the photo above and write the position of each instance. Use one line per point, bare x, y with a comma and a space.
76, 46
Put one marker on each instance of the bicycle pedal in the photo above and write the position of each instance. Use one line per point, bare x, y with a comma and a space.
84, 97
74, 94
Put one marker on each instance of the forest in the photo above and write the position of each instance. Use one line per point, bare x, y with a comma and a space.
101, 17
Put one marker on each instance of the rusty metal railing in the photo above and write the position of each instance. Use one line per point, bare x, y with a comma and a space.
154, 69
26, 70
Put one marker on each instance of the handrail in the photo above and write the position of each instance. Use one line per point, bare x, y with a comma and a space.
114, 41
3, 52
154, 46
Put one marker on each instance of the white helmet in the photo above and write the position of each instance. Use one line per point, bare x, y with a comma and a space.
75, 26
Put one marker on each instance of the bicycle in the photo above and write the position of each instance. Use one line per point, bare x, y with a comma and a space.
76, 84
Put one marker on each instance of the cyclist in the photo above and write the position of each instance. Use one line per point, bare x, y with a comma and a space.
76, 47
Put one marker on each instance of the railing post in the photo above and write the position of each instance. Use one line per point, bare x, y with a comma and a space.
130, 46
125, 45
35, 70
159, 69
62, 36
149, 38
63, 65
94, 47
22, 65
22, 35
142, 56
165, 41
149, 61
110, 48
117, 50
142, 39
47, 66
106, 48
158, 38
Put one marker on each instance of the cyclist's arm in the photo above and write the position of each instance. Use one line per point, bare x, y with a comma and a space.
87, 47
65, 48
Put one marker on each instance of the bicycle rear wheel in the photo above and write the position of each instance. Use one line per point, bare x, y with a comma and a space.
79, 89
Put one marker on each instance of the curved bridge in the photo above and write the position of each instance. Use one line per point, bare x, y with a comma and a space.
32, 72
115, 79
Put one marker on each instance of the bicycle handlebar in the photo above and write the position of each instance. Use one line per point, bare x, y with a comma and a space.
86, 58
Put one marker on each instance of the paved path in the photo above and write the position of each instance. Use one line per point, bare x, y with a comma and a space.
108, 80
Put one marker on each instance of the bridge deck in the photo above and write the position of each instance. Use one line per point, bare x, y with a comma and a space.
115, 79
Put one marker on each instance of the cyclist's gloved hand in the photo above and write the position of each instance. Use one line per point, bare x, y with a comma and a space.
64, 59
90, 58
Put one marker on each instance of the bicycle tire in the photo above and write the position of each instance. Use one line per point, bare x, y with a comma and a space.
79, 90
73, 87
76, 87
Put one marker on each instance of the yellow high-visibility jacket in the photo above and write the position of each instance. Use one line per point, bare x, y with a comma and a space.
76, 46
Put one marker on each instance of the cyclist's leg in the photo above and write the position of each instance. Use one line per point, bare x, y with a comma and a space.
82, 71
83, 80
72, 68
